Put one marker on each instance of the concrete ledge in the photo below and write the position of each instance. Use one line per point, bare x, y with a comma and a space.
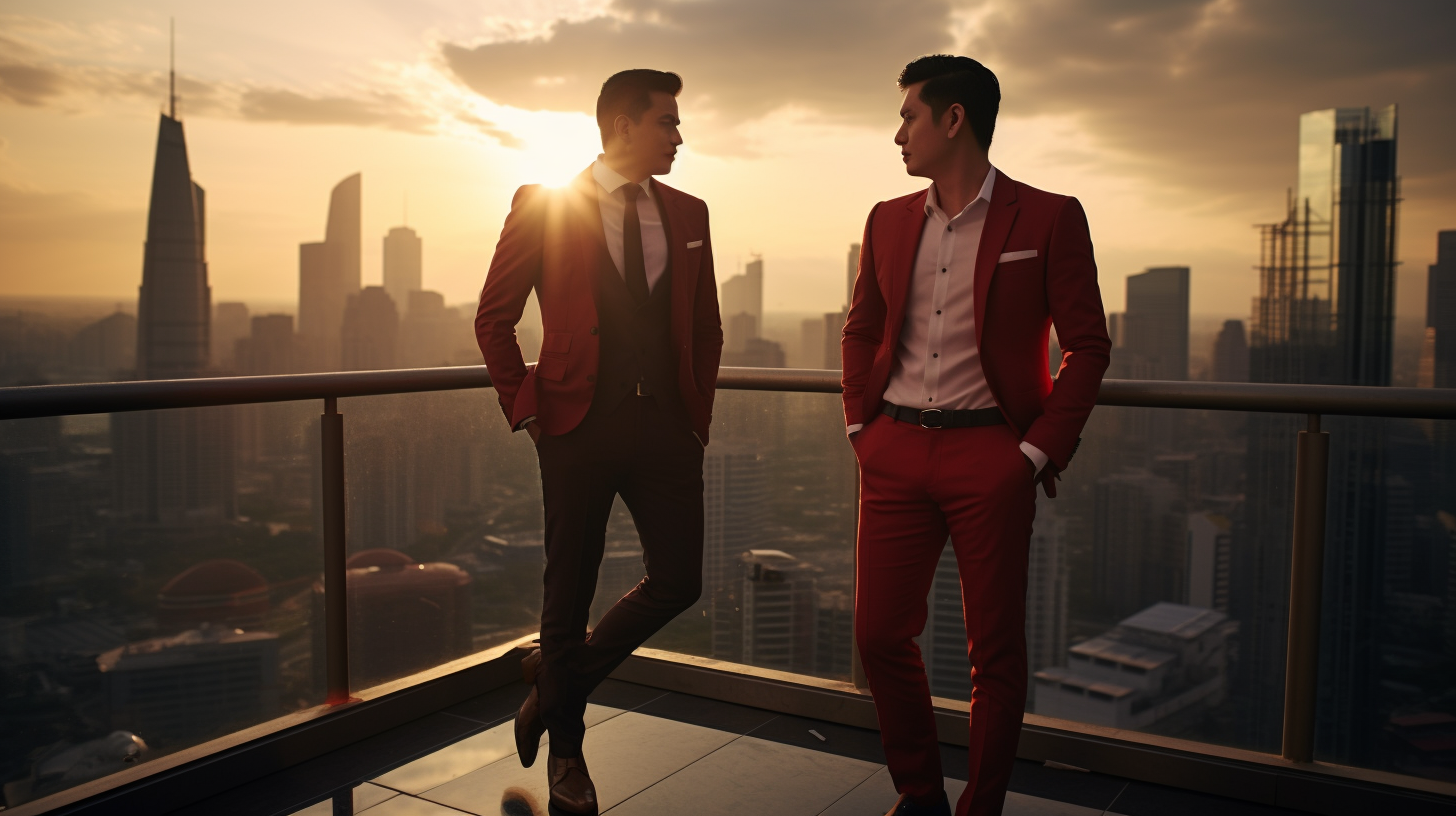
204, 770
1329, 790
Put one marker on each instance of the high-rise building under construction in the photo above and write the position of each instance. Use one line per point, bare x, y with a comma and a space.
1324, 314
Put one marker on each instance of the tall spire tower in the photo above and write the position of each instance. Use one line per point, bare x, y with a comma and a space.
174, 467
172, 68
175, 304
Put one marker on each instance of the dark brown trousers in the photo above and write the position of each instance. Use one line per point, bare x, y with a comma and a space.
649, 457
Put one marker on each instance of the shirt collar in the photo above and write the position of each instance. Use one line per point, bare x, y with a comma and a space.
932, 205
612, 181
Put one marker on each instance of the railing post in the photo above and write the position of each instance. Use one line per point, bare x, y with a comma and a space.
336, 596
1306, 580
344, 802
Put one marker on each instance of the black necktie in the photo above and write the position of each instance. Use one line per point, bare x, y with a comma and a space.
636, 267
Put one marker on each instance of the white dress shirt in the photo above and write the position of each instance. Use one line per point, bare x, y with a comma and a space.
612, 198
937, 361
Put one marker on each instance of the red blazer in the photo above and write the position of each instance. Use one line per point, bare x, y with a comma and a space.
1016, 305
553, 242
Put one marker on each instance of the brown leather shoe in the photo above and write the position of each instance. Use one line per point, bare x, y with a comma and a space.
529, 728
572, 790
530, 664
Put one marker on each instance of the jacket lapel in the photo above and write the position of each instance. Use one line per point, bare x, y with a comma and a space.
900, 262
674, 222
999, 218
584, 218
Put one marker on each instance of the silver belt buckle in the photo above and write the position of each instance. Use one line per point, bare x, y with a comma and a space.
939, 420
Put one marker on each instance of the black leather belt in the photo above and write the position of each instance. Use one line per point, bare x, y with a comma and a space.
936, 418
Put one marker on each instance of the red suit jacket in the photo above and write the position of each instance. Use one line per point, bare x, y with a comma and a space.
1016, 305
553, 242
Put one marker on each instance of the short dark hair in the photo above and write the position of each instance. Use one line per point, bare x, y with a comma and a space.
949, 80
630, 93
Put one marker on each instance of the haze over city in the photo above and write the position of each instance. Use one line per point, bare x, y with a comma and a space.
1174, 123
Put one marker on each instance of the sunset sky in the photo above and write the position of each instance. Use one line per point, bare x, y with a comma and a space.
1174, 122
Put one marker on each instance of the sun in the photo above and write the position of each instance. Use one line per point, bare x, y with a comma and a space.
555, 147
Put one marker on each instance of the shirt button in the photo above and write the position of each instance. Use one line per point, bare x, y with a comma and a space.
942, 270
947, 229
935, 355
591, 378
937, 311
593, 329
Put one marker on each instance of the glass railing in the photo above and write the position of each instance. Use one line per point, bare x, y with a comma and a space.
167, 572
160, 578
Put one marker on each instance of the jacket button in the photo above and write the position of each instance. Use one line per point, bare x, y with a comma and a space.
591, 378
593, 329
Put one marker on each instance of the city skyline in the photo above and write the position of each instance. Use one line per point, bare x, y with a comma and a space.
279, 117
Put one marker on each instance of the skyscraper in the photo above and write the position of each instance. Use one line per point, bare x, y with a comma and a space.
174, 309
1157, 323
328, 273
229, 325
735, 511
743, 295
403, 262
780, 611
1324, 314
174, 466
1231, 353
1441, 310
370, 332
851, 269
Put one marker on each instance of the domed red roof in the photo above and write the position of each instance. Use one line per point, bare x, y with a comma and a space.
383, 557
220, 576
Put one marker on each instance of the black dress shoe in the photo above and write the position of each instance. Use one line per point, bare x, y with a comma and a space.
905, 806
572, 790
529, 728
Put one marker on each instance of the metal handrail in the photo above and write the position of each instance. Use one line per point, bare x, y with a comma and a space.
1311, 468
145, 395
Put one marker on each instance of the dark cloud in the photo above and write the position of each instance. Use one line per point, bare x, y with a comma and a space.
490, 129
28, 84
739, 58
28, 77
1202, 95
1207, 93
377, 110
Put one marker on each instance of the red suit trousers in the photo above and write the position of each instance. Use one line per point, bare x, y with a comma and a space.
919, 486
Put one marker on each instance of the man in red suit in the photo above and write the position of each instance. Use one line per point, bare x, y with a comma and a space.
618, 403
955, 419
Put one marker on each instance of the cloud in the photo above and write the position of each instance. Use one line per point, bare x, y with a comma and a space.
29, 85
34, 75
1201, 96
490, 129
373, 110
740, 59
1207, 93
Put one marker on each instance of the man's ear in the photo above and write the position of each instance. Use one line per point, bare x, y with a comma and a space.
955, 120
622, 126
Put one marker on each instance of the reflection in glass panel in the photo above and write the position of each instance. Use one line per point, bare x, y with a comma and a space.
1131, 592
778, 571
157, 571
1388, 638
444, 531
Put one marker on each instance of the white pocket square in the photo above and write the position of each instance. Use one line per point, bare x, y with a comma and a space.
1019, 255
694, 244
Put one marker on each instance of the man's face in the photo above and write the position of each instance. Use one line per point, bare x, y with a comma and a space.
923, 142
651, 143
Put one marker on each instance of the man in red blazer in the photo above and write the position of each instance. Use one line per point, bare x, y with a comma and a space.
954, 417
618, 404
